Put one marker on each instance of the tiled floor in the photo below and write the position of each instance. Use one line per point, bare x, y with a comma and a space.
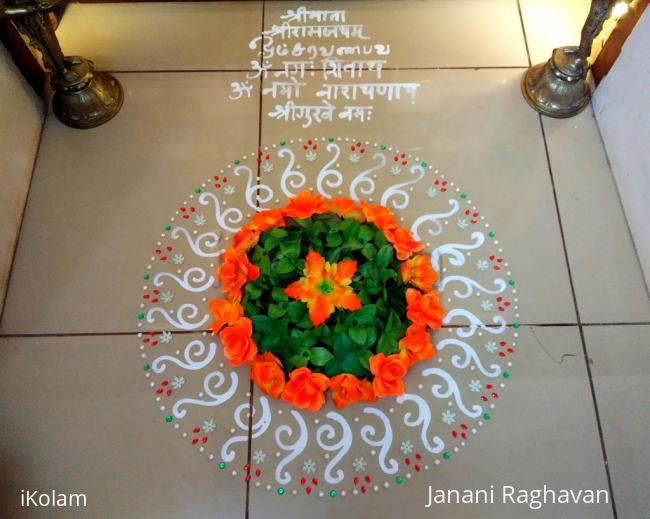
76, 413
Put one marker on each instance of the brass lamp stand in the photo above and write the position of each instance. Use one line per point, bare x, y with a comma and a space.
558, 88
83, 98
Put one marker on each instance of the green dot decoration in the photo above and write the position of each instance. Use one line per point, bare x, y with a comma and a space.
333, 493
280, 491
399, 480
169, 418
222, 465
446, 455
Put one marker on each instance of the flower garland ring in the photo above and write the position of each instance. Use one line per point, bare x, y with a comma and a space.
326, 296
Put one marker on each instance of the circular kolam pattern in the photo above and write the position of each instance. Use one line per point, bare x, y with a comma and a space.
365, 447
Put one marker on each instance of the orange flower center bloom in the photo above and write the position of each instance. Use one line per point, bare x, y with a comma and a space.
424, 308
416, 345
225, 313
268, 219
305, 390
389, 372
419, 272
238, 344
244, 239
403, 243
347, 208
235, 272
267, 373
305, 205
382, 217
348, 389
325, 287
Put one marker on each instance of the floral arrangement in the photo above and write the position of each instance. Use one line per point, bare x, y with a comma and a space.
326, 296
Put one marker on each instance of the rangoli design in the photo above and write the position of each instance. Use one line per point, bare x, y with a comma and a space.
368, 445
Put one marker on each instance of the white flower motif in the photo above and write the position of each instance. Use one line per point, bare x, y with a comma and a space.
462, 223
178, 259
199, 220
209, 425
166, 297
475, 386
178, 382
229, 189
487, 305
259, 456
491, 347
310, 156
309, 466
395, 170
406, 447
482, 264
359, 464
267, 167
166, 337
354, 158
448, 417
432, 192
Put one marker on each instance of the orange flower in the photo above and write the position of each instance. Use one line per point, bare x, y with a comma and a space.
389, 372
225, 313
268, 219
244, 239
324, 287
238, 344
424, 308
383, 219
235, 272
267, 373
419, 272
348, 389
416, 345
305, 205
305, 390
347, 208
403, 243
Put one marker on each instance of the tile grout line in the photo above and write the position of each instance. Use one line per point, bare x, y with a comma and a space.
388, 69
23, 213
45, 335
573, 293
580, 326
251, 400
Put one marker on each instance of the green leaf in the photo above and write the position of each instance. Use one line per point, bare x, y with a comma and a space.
358, 335
298, 361
364, 359
366, 233
319, 356
253, 291
385, 256
276, 311
263, 324
369, 251
296, 310
333, 368
352, 365
333, 239
264, 263
278, 294
342, 345
279, 233
289, 249
365, 316
284, 266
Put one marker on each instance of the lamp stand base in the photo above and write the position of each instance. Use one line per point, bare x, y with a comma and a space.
84, 98
558, 88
